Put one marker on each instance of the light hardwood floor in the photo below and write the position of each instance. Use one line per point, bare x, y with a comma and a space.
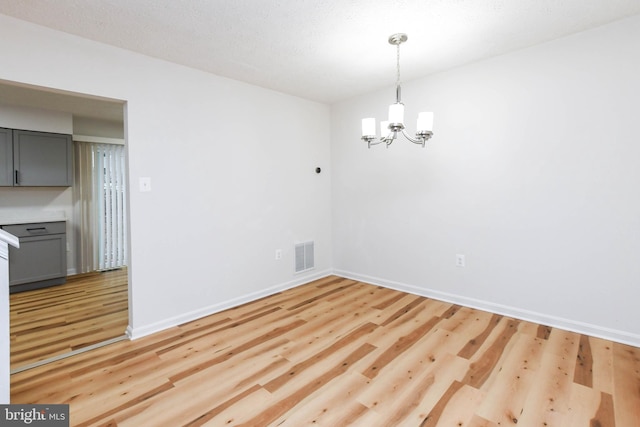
338, 352
88, 309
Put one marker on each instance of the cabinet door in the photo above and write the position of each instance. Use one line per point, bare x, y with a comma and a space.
6, 158
42, 159
38, 258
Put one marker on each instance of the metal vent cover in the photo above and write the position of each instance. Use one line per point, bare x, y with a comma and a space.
304, 256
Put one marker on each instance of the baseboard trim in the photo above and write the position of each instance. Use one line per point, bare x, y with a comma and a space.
142, 331
515, 312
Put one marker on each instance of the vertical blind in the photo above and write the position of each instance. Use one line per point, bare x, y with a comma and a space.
100, 198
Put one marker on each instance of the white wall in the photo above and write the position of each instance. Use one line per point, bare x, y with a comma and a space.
38, 119
532, 174
95, 127
229, 185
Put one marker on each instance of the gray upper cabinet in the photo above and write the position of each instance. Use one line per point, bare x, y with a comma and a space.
6, 157
40, 159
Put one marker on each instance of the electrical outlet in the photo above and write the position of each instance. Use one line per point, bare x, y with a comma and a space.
460, 260
278, 254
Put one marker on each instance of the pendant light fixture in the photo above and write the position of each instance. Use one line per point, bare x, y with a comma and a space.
389, 129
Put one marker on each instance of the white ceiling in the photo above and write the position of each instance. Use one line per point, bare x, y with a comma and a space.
322, 50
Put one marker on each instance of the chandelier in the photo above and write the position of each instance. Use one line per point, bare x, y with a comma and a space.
389, 129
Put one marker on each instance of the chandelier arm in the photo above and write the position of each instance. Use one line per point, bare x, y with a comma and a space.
373, 141
390, 138
420, 140
386, 139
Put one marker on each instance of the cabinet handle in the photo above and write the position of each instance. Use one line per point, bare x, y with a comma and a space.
17, 177
37, 229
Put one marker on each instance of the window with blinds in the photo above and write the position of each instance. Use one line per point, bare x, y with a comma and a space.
101, 201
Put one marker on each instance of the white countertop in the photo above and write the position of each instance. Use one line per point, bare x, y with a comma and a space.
31, 216
8, 239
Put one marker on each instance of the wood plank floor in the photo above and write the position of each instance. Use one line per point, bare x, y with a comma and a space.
86, 310
338, 352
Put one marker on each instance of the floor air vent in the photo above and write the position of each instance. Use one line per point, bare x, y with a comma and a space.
304, 256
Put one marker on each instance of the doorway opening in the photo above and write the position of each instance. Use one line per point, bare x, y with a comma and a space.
36, 315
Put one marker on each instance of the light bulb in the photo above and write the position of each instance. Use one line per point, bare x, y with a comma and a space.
369, 127
396, 113
425, 122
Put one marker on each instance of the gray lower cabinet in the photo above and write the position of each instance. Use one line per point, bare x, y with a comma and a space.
41, 259
35, 159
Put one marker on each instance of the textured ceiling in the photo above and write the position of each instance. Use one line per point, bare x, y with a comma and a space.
323, 50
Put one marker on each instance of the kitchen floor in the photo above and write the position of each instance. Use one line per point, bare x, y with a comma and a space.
86, 310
